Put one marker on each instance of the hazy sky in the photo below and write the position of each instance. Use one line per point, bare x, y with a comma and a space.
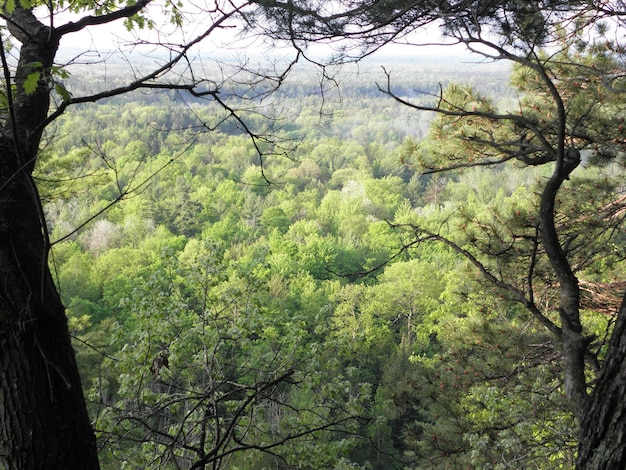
111, 36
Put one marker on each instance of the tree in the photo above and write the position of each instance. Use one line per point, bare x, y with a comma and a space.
571, 78
43, 422
602, 423
211, 372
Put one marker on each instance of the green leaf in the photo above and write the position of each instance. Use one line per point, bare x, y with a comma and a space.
30, 84
62, 92
36, 64
59, 72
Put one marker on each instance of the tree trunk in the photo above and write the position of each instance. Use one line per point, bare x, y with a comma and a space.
43, 417
603, 424
573, 342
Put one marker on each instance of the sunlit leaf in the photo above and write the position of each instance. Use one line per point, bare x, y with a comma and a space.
30, 84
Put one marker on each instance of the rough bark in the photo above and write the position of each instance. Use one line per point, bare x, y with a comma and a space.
603, 422
43, 417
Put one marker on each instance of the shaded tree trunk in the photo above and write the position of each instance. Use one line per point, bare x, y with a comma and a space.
603, 422
43, 417
573, 342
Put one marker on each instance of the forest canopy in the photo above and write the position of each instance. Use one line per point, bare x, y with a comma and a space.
217, 273
289, 259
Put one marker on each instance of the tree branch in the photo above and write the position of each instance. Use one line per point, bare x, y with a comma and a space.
126, 12
145, 81
425, 235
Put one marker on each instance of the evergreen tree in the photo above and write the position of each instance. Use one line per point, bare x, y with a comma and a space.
570, 70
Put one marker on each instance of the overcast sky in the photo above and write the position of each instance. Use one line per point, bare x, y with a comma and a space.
109, 37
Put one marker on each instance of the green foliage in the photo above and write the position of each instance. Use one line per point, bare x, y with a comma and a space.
490, 391
199, 351
10, 5
297, 299
31, 82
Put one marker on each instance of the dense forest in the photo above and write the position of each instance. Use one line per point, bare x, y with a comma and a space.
279, 307
245, 238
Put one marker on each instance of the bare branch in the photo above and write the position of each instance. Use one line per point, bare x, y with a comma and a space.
84, 22
146, 81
